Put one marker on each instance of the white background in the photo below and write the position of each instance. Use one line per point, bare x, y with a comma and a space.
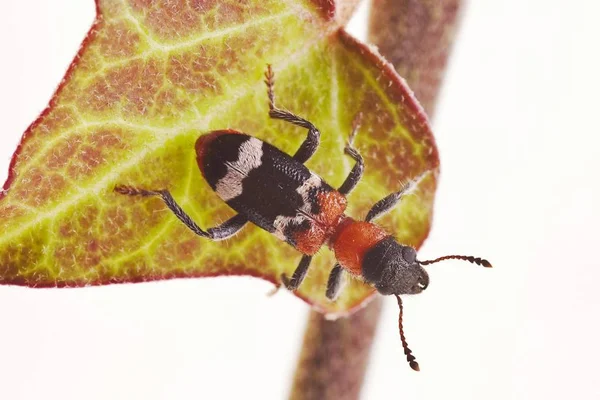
518, 137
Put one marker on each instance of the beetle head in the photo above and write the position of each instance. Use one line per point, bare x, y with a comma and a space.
393, 268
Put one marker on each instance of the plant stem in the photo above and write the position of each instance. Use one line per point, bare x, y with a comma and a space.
335, 354
416, 37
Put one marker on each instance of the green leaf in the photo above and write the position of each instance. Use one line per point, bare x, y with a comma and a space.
150, 78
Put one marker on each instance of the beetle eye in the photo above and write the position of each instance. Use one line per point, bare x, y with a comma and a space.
409, 254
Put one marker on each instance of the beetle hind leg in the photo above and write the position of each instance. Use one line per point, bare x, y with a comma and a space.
311, 143
224, 231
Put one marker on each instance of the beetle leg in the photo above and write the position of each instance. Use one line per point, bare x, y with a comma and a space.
334, 283
299, 274
387, 203
228, 228
224, 231
357, 171
310, 145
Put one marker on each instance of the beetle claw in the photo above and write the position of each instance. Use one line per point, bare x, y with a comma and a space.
275, 290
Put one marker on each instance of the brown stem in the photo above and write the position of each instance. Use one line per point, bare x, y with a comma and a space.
335, 355
416, 36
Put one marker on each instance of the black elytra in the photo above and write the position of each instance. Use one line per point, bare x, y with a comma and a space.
274, 191
279, 194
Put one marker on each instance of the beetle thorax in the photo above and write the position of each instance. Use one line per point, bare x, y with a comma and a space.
352, 240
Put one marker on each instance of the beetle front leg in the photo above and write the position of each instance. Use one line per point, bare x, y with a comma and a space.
311, 144
221, 232
387, 203
299, 274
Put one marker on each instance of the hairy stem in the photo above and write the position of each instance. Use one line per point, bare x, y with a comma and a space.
416, 37
335, 355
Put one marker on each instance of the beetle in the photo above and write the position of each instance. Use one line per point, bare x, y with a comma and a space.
278, 193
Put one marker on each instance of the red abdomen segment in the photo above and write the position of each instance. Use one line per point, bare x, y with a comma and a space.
352, 240
270, 188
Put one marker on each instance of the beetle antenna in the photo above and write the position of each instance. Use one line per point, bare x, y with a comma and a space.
407, 352
471, 259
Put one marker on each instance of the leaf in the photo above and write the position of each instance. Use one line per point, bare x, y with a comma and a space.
150, 78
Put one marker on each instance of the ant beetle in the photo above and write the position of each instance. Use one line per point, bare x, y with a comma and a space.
279, 194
